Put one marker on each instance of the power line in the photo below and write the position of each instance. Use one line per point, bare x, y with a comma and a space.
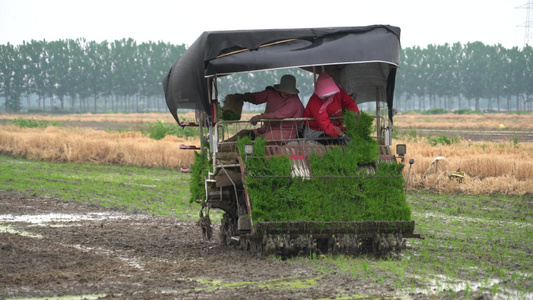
529, 22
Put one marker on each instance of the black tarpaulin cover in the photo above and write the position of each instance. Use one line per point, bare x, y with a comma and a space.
226, 52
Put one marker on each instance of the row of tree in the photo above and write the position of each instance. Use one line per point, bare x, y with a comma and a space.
73, 74
79, 76
442, 76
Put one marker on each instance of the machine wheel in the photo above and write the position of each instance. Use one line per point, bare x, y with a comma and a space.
228, 229
205, 224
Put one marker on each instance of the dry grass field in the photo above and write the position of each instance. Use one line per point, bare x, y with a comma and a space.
522, 122
99, 118
73, 144
470, 167
504, 167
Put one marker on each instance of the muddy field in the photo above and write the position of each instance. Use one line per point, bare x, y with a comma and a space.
481, 136
51, 248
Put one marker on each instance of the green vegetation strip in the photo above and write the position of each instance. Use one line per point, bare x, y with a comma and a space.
472, 245
153, 190
32, 123
340, 189
160, 129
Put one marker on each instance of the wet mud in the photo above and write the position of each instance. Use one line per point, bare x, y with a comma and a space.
52, 248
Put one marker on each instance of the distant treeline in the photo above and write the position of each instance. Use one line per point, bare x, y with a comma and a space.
86, 76
446, 76
77, 75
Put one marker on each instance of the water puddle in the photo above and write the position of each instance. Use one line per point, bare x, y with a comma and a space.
53, 217
11, 230
64, 220
213, 285
80, 297
278, 283
441, 283
446, 217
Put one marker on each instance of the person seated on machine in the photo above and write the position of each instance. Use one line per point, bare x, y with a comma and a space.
282, 102
327, 101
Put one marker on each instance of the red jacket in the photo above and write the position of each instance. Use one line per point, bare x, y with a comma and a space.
322, 122
278, 108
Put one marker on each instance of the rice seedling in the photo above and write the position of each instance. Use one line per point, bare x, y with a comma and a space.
277, 196
514, 140
442, 140
155, 190
465, 252
412, 134
33, 123
161, 129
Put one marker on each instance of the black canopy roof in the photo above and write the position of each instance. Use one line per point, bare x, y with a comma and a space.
374, 49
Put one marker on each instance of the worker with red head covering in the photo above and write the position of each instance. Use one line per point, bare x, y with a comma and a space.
327, 101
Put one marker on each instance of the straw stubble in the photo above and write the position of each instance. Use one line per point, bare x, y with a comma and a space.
96, 146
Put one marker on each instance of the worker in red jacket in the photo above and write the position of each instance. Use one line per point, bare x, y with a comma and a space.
327, 101
282, 102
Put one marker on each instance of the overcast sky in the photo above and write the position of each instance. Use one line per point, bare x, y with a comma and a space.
422, 22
